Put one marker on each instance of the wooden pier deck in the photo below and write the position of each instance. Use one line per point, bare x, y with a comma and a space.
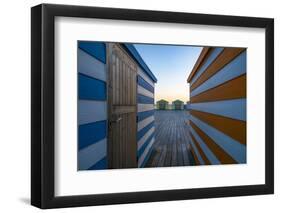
171, 147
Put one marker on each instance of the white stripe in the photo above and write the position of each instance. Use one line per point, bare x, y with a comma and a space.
234, 108
90, 155
145, 107
196, 152
145, 122
209, 154
145, 92
145, 77
91, 111
90, 66
141, 159
145, 137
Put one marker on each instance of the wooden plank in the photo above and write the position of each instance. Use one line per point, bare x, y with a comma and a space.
116, 80
110, 71
121, 153
168, 157
174, 155
185, 155
190, 156
179, 155
133, 140
163, 156
123, 83
130, 86
233, 89
127, 92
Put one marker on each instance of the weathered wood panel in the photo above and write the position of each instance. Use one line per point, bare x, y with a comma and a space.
122, 108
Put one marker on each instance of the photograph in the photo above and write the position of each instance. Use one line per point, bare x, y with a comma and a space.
139, 105
160, 105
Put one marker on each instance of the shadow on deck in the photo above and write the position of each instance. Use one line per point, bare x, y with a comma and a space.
171, 147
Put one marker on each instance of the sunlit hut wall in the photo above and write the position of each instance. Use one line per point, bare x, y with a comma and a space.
162, 104
218, 106
177, 105
92, 106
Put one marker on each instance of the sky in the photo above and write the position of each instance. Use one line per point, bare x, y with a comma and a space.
171, 65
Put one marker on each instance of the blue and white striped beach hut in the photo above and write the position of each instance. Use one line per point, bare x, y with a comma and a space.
115, 106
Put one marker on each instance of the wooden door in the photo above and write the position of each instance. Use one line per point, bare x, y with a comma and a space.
122, 111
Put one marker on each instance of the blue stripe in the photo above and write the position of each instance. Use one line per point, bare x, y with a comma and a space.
102, 164
91, 133
212, 57
91, 88
232, 70
209, 154
145, 114
147, 157
134, 53
236, 150
141, 150
144, 130
144, 84
145, 100
95, 49
235, 108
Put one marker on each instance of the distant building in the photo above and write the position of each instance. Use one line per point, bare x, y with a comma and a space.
170, 106
162, 104
178, 105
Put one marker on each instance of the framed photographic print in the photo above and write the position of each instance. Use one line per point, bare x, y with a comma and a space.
139, 106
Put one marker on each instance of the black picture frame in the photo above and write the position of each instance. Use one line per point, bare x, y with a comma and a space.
43, 113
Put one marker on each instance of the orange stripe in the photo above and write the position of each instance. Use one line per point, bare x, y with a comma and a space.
222, 156
233, 89
205, 159
227, 55
197, 162
231, 127
202, 57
